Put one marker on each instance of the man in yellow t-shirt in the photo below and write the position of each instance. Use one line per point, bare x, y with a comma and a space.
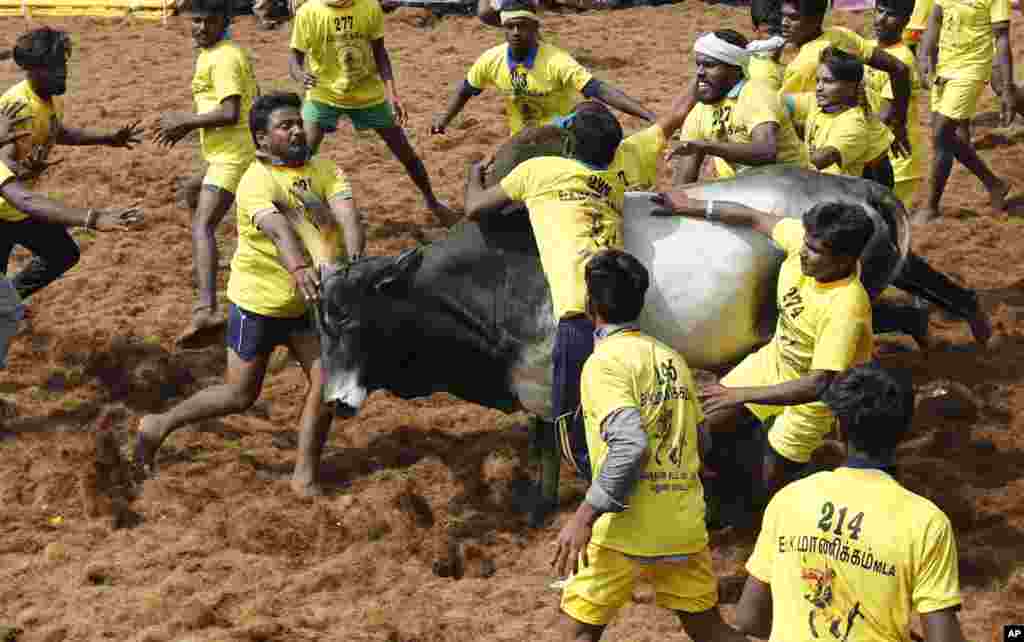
223, 87
644, 510
802, 27
824, 328
295, 215
739, 122
766, 65
575, 208
917, 24
891, 18
29, 219
539, 81
338, 55
850, 554
840, 135
957, 48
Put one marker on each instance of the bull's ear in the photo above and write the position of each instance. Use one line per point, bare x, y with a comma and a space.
399, 272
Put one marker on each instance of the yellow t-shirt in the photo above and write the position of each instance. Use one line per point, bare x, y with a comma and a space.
258, 282
734, 118
575, 212
45, 124
918, 22
629, 369
223, 71
801, 74
860, 138
534, 93
764, 68
849, 553
336, 42
821, 326
965, 42
636, 159
878, 86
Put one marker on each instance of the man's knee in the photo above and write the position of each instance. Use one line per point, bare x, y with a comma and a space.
212, 203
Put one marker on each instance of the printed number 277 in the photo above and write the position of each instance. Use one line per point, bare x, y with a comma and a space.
828, 511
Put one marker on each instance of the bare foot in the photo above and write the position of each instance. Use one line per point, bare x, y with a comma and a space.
148, 438
304, 488
923, 216
445, 215
981, 327
202, 330
998, 195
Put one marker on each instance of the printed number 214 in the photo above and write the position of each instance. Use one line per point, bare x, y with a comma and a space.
828, 511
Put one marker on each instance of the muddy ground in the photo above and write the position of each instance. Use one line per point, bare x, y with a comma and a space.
217, 548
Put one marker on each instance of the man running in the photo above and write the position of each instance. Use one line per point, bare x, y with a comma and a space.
957, 49
223, 87
539, 81
294, 215
30, 219
644, 510
575, 207
850, 554
338, 55
824, 329
739, 122
802, 26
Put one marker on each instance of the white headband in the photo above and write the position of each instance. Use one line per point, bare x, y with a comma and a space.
771, 44
711, 45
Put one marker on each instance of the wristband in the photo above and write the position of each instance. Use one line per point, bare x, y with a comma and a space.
709, 212
90, 219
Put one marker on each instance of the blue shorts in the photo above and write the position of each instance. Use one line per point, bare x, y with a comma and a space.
574, 343
251, 335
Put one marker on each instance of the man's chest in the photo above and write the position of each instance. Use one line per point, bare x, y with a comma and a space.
521, 82
800, 305
725, 121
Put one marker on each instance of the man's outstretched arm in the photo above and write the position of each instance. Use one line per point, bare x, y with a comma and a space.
614, 97
48, 210
678, 203
126, 136
458, 100
482, 200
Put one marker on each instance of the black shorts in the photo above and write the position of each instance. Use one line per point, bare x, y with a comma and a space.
251, 335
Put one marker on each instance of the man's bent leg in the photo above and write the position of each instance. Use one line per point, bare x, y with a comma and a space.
690, 588
593, 596
574, 343
250, 342
399, 145
214, 203
315, 421
55, 253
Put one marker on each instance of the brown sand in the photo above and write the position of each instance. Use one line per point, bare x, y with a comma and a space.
217, 548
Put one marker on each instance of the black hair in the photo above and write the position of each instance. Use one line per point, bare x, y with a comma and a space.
265, 105
209, 7
767, 13
596, 136
516, 5
843, 227
732, 37
844, 66
809, 8
41, 48
616, 285
874, 406
903, 8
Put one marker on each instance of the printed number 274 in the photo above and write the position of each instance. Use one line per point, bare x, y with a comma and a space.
828, 511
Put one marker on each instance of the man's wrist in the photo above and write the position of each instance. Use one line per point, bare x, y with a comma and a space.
586, 514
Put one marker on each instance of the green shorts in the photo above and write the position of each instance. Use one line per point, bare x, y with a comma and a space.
372, 117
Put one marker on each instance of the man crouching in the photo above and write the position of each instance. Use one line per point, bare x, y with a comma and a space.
294, 215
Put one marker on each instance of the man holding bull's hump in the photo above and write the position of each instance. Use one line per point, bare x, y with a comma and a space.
824, 328
294, 215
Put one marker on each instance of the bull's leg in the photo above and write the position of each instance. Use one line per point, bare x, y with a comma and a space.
920, 279
907, 319
545, 453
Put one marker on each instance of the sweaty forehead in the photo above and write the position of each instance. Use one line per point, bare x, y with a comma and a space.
284, 114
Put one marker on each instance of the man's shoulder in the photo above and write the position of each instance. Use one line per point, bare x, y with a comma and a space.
759, 93
548, 51
257, 179
21, 91
497, 53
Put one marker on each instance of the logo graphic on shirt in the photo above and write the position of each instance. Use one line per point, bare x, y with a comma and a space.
792, 303
827, 619
519, 81
721, 122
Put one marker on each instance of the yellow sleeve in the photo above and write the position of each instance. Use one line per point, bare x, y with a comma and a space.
332, 181
760, 105
5, 174
762, 561
691, 129
789, 235
256, 193
374, 20
847, 321
799, 106
569, 72
937, 581
228, 77
854, 44
301, 40
648, 144
849, 138
480, 75
519, 183
609, 387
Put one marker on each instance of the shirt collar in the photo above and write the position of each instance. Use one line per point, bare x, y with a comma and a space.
613, 328
865, 463
531, 57
736, 89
